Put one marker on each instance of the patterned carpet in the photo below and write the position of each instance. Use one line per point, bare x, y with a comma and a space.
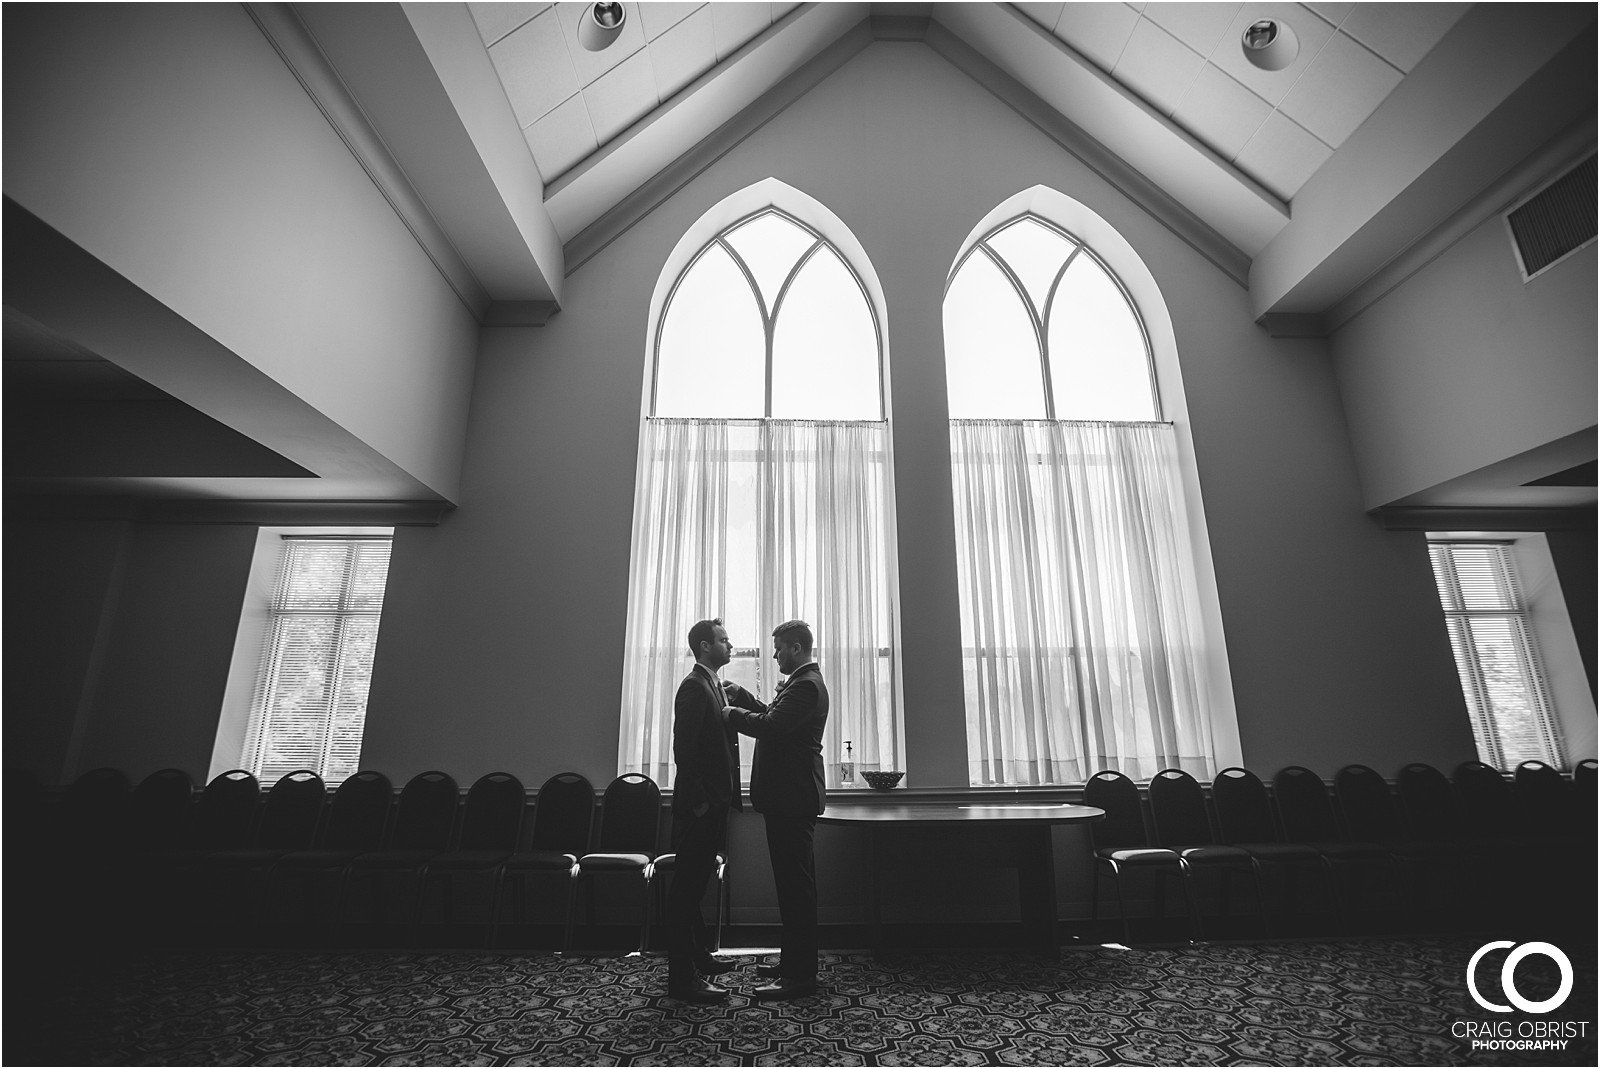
1378, 1001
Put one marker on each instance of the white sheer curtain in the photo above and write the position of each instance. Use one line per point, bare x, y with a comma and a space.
1083, 643
758, 522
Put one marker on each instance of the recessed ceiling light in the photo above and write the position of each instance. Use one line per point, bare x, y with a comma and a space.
1270, 44
601, 24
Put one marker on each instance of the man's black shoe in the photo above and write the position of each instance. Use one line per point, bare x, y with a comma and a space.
710, 966
698, 992
771, 972
785, 988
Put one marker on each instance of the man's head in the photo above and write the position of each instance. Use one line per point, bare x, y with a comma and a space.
791, 645
710, 644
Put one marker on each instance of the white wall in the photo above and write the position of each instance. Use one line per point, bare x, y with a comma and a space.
171, 142
503, 628
1464, 365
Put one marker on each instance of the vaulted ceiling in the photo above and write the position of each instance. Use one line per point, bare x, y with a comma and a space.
514, 153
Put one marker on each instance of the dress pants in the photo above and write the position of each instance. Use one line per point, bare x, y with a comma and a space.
696, 840
794, 874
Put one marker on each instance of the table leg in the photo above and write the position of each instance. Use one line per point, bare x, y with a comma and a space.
1036, 886
874, 886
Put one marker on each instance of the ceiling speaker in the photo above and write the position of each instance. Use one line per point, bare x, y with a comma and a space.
601, 24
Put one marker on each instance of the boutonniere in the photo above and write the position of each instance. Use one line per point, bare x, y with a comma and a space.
779, 688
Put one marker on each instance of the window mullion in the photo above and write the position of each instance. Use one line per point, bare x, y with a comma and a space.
1033, 321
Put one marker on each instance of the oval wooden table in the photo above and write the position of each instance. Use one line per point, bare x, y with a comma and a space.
1012, 834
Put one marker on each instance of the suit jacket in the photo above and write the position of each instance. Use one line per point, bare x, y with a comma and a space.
787, 776
705, 748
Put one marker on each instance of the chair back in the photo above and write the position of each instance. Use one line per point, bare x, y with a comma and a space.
1430, 804
1178, 809
630, 815
1123, 827
291, 810
563, 814
358, 812
426, 814
1244, 812
94, 811
225, 814
163, 810
1367, 804
1487, 800
492, 817
1304, 806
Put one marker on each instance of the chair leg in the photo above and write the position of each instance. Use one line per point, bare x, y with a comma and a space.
644, 927
416, 902
1122, 905
1195, 920
1261, 896
572, 907
722, 906
1094, 895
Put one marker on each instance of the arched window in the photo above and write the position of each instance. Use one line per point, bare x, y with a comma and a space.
1036, 327
1081, 625
765, 484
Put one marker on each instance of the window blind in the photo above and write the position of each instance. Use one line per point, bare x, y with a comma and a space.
1502, 678
310, 702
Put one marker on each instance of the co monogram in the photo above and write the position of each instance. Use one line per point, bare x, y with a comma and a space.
1508, 979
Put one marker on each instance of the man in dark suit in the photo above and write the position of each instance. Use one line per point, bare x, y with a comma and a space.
787, 789
705, 785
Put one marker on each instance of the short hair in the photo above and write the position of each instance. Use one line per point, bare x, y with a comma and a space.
792, 631
702, 632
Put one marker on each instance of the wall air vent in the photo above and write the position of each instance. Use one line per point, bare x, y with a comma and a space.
1555, 222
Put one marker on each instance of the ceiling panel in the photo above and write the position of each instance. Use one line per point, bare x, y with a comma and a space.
1200, 26
657, 18
494, 21
734, 24
1157, 66
683, 53
1401, 33
1341, 87
561, 138
1097, 31
1272, 86
535, 67
1282, 155
622, 95
1221, 112
591, 65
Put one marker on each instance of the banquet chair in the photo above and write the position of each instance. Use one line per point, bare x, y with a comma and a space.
563, 818
1543, 808
1245, 820
630, 819
85, 844
354, 825
1178, 811
1120, 843
491, 820
666, 865
423, 822
287, 822
1306, 809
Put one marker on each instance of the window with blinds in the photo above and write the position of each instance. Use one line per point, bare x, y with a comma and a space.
310, 700
1496, 656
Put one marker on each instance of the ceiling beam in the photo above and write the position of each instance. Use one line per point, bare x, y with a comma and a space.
73, 295
1207, 186
607, 178
1503, 82
422, 83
